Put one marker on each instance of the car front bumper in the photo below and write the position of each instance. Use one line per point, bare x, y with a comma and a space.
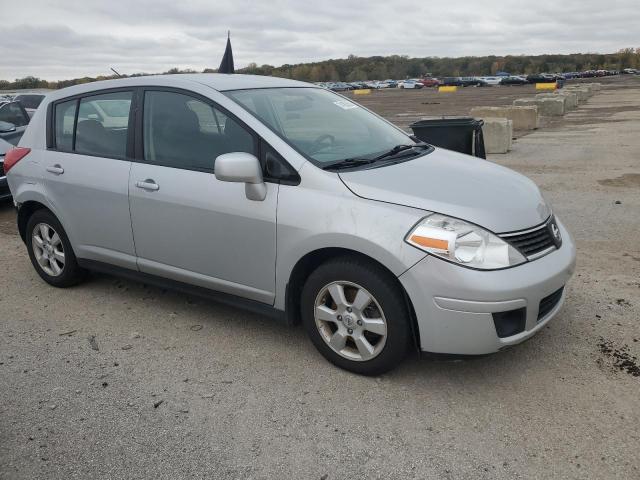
454, 305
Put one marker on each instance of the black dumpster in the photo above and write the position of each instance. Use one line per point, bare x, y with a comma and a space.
461, 134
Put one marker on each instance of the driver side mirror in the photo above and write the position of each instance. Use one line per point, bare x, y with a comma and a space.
241, 167
6, 127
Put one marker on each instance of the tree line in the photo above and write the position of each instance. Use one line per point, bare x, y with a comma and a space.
355, 68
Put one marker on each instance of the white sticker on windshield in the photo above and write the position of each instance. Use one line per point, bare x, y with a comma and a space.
345, 105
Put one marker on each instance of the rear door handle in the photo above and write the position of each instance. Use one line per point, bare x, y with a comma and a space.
148, 184
57, 169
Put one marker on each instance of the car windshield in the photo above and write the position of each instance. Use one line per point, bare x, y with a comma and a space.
325, 127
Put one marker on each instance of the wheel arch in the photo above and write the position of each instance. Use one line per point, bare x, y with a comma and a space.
312, 260
25, 211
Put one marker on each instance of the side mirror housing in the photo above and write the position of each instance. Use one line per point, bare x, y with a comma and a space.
6, 127
241, 167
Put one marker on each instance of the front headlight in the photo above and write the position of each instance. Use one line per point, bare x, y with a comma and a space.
463, 243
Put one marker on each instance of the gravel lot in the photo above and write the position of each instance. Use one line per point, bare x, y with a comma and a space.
115, 379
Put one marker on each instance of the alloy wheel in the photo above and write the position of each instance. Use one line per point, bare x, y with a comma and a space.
350, 320
48, 249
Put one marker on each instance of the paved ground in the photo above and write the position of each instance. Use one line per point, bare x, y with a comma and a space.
177, 387
404, 107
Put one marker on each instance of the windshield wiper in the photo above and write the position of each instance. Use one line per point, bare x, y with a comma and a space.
348, 163
354, 162
400, 148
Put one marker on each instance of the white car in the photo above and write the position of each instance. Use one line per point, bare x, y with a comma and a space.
409, 84
491, 80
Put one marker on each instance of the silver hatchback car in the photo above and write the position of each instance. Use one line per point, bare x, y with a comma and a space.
295, 202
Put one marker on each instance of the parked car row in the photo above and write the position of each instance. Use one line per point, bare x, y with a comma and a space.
502, 78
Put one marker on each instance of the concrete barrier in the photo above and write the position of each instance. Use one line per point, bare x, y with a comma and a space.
582, 93
595, 87
550, 107
571, 101
547, 106
447, 88
553, 95
526, 102
498, 134
522, 117
588, 87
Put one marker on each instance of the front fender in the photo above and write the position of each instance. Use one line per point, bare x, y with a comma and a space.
311, 220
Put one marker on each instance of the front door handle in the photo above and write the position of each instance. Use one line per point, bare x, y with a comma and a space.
148, 184
57, 169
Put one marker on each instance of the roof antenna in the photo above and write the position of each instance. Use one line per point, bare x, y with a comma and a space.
114, 71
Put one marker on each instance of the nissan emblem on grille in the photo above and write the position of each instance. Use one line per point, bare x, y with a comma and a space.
555, 233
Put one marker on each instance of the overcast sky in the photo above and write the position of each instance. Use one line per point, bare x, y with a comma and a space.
59, 39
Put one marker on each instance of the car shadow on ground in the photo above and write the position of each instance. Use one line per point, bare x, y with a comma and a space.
269, 335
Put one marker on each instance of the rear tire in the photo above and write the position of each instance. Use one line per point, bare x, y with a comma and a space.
50, 251
367, 329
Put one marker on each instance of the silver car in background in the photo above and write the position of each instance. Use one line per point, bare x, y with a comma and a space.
293, 201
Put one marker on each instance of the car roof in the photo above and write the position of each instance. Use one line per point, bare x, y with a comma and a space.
217, 81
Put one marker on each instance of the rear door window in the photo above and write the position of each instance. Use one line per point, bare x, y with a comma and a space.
181, 131
102, 126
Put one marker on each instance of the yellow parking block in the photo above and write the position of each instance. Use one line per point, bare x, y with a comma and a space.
546, 86
446, 89
363, 91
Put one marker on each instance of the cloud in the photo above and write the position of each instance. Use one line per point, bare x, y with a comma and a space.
65, 38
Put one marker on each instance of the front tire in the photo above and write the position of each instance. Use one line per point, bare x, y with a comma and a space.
355, 314
50, 251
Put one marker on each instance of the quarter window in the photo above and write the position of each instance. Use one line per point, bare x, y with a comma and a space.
103, 122
180, 131
65, 114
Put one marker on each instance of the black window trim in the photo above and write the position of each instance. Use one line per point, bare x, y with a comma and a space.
50, 128
135, 146
263, 151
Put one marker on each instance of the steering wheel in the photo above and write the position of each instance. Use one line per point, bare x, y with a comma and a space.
320, 143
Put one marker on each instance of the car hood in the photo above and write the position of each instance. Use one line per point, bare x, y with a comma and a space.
458, 185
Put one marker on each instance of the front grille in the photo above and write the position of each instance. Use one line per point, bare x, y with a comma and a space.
532, 242
548, 303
